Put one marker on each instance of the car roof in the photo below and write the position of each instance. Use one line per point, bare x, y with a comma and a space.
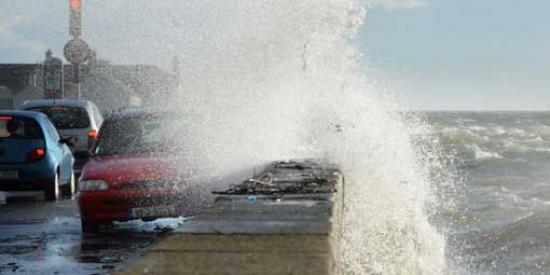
28, 114
56, 102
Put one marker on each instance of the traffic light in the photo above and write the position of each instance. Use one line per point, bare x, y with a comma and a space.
75, 28
75, 4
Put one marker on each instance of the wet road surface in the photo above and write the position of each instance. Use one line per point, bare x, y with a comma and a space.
45, 238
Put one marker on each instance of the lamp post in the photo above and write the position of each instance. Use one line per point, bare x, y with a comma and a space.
53, 76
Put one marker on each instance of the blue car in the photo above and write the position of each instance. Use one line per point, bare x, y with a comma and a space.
33, 156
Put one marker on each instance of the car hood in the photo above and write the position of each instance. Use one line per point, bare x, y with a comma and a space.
129, 169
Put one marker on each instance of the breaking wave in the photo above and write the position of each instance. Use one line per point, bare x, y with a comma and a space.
285, 84
268, 80
493, 137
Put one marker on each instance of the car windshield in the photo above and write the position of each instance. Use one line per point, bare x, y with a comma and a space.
64, 117
137, 135
18, 127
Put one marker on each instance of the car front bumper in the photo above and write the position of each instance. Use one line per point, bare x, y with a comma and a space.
116, 205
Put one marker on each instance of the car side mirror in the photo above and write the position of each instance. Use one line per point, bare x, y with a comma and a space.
71, 141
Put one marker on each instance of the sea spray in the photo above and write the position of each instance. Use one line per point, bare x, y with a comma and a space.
292, 90
269, 80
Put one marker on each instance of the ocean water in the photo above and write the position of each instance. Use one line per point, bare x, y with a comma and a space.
499, 220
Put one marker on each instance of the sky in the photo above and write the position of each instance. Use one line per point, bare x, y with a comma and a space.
463, 54
433, 54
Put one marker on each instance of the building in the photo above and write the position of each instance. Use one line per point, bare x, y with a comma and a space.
109, 86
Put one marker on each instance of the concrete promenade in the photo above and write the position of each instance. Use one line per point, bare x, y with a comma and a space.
286, 221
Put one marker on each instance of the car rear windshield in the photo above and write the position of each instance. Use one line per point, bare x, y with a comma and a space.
64, 117
138, 135
12, 127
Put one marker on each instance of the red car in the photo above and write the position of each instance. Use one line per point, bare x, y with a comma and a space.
134, 171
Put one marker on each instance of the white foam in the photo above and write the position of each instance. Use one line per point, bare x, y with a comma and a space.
481, 154
478, 128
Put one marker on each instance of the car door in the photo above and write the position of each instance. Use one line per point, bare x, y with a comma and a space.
61, 151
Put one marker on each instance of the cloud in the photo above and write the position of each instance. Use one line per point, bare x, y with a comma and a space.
397, 4
29, 28
10, 40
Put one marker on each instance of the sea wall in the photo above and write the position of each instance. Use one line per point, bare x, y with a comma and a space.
255, 232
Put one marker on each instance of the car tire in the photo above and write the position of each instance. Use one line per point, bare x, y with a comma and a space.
51, 192
89, 227
68, 189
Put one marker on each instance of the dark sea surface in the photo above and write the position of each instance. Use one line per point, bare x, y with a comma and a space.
500, 219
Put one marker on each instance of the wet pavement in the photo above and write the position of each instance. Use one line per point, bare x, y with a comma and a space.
45, 238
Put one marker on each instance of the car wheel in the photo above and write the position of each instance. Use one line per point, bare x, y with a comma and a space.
89, 227
68, 189
52, 190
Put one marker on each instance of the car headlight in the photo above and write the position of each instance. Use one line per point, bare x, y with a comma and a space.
92, 185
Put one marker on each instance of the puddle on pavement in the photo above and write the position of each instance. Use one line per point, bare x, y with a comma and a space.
59, 246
